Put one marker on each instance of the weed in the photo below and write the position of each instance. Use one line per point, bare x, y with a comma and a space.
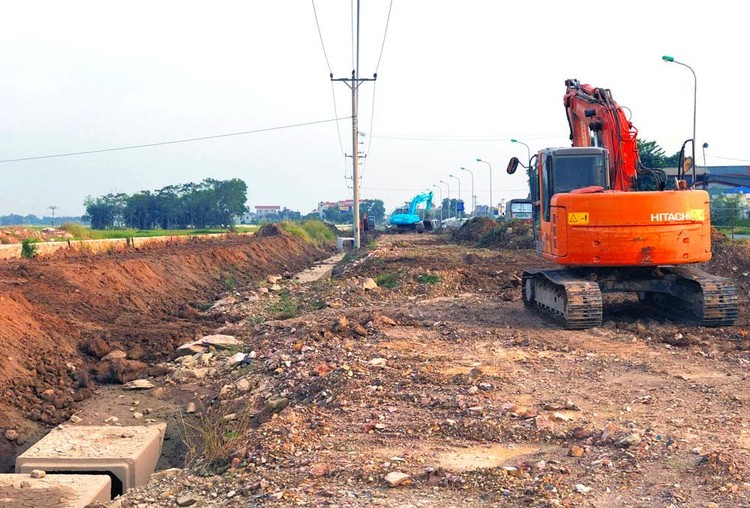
28, 247
228, 281
285, 308
257, 319
387, 280
428, 278
205, 306
215, 433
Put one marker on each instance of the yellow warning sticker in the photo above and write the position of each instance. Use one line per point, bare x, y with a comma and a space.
578, 218
697, 214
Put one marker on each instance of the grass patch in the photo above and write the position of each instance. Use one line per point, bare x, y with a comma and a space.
80, 232
387, 280
285, 308
428, 278
228, 281
314, 232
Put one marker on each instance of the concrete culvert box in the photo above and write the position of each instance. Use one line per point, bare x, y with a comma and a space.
128, 454
53, 491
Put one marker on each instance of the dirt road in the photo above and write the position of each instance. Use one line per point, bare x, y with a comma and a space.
438, 389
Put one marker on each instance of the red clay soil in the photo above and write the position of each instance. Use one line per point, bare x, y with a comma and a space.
60, 316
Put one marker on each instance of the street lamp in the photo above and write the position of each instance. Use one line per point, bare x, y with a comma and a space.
459, 193
528, 150
671, 59
490, 165
473, 197
441, 200
705, 167
449, 196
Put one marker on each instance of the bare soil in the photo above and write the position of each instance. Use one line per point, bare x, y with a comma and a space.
439, 374
60, 316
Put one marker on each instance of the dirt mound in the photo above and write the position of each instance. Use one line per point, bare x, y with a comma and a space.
59, 316
474, 229
515, 235
19, 234
270, 230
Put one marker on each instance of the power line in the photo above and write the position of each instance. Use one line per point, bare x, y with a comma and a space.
320, 34
727, 158
385, 34
187, 140
460, 139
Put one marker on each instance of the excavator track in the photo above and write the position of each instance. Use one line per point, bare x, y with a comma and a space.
573, 297
709, 299
567, 299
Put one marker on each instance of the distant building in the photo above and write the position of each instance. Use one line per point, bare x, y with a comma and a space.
266, 211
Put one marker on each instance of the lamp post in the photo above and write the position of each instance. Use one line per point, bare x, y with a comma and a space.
490, 166
705, 167
459, 193
473, 197
449, 196
441, 200
528, 150
671, 59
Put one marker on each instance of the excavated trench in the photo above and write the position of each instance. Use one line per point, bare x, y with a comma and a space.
61, 316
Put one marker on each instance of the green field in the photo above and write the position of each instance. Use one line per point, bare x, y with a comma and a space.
85, 233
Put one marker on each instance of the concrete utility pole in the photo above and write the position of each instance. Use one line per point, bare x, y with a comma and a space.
53, 208
354, 83
473, 197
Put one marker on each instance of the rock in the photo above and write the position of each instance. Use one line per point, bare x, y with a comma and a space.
386, 320
186, 500
275, 288
114, 354
75, 419
229, 300
219, 341
38, 473
190, 408
137, 415
243, 385
96, 347
118, 370
629, 440
575, 451
273, 279
236, 359
11, 435
359, 330
166, 473
341, 324
138, 384
263, 290
582, 489
320, 469
111, 419
395, 478
377, 362
369, 284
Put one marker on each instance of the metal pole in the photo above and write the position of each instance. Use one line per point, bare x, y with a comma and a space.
449, 196
695, 101
490, 166
459, 194
473, 197
441, 200
528, 150
705, 167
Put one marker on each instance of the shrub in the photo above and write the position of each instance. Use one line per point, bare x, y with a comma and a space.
28, 247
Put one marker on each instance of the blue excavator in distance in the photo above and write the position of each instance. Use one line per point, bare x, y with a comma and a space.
409, 219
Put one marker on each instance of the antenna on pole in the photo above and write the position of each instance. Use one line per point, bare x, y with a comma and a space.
354, 83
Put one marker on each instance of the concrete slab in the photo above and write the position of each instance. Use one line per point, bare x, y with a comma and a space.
129, 454
320, 272
53, 491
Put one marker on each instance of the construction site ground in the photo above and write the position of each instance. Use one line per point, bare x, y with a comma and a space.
435, 388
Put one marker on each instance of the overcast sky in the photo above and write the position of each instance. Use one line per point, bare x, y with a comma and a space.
457, 80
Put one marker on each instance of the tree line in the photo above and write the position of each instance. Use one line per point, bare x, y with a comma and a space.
210, 203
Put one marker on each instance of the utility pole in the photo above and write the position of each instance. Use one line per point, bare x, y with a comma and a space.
354, 83
53, 207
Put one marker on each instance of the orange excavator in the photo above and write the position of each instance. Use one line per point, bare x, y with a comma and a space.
617, 226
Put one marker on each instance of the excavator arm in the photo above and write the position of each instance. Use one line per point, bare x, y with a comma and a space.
595, 119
